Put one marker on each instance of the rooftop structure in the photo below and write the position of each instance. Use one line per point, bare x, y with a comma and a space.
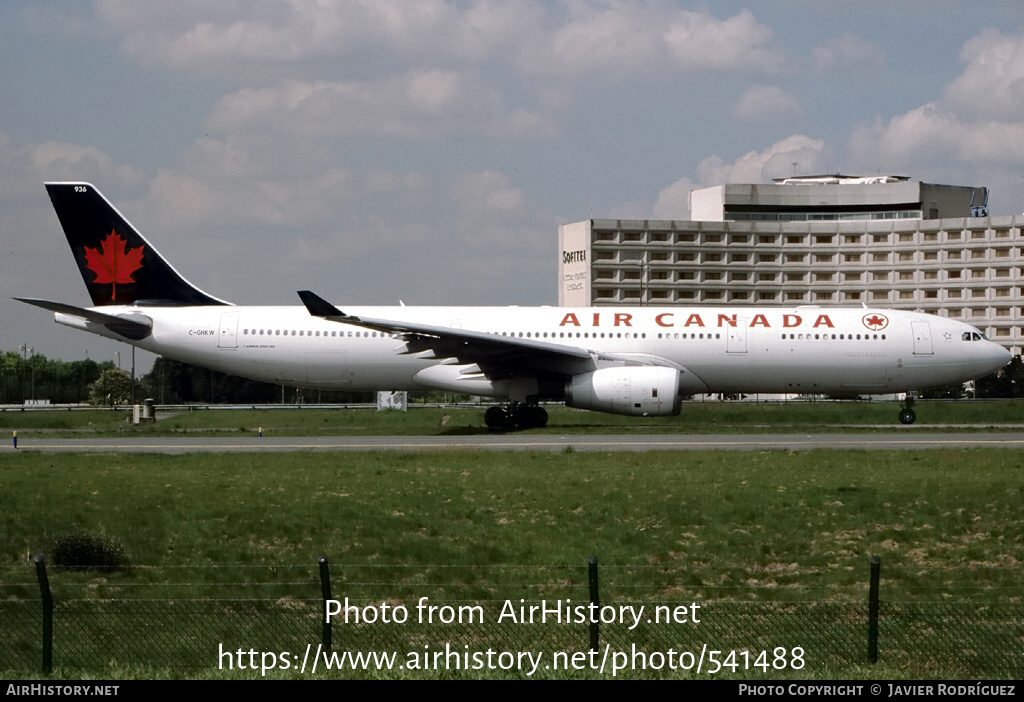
871, 252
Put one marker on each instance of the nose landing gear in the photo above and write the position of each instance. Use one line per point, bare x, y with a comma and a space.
907, 414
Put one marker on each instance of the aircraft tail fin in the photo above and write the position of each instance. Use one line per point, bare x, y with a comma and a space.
118, 265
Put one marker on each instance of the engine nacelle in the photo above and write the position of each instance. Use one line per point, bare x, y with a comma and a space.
634, 390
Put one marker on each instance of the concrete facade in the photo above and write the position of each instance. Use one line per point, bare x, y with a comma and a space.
966, 268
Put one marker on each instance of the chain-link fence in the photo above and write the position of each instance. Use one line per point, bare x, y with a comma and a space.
543, 609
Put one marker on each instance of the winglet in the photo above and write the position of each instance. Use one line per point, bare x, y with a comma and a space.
317, 306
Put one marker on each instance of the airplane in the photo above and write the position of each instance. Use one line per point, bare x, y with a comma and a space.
640, 361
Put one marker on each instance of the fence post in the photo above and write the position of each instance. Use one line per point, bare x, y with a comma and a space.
594, 601
325, 593
44, 589
876, 568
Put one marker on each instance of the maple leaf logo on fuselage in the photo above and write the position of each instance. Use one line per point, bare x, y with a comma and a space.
113, 262
876, 322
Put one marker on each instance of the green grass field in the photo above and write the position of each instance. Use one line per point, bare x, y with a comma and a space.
696, 417
712, 527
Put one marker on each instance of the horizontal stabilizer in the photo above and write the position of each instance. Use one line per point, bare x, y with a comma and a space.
134, 326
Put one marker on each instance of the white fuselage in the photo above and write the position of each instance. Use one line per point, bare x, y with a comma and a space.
723, 349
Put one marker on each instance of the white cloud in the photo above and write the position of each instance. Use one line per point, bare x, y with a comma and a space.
420, 104
777, 161
932, 133
28, 166
766, 104
847, 53
973, 133
568, 38
699, 41
627, 39
992, 84
216, 37
674, 201
487, 191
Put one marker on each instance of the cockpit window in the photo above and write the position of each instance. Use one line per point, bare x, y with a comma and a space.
973, 336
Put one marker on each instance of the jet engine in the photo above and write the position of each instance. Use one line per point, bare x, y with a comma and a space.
634, 390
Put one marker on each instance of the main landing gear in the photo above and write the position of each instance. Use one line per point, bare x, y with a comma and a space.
515, 415
907, 414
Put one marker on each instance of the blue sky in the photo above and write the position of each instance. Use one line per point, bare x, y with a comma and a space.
427, 151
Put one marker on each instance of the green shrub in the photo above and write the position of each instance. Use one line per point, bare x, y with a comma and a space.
88, 552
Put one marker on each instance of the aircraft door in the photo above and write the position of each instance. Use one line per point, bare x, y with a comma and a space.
922, 338
228, 336
736, 340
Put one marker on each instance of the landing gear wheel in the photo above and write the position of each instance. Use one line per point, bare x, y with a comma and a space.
907, 416
496, 418
530, 417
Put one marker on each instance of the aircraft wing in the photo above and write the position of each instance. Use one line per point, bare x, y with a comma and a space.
497, 356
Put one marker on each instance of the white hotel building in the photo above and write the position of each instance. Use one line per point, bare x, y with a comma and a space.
826, 240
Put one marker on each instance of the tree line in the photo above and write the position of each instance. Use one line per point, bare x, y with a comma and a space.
173, 382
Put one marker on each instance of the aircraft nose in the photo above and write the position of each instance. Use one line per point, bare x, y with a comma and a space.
998, 355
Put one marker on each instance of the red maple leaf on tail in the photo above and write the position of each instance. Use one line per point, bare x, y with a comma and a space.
113, 262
